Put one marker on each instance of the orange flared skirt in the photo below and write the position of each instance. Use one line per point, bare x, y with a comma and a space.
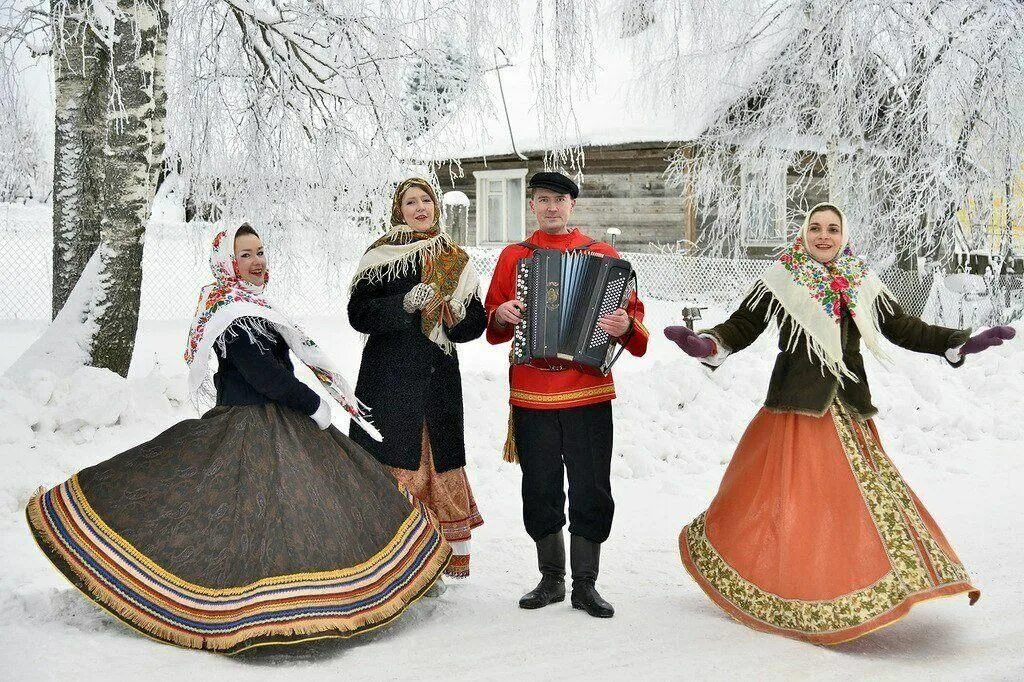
814, 534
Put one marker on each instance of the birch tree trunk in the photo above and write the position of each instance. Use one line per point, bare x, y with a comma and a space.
82, 89
159, 118
131, 168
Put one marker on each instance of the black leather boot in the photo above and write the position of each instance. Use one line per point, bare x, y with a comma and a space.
585, 557
551, 561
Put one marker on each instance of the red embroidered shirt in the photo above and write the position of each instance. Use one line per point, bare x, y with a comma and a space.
546, 389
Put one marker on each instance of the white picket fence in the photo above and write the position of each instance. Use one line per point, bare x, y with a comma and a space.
310, 273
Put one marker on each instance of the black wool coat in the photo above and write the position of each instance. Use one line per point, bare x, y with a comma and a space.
406, 379
258, 372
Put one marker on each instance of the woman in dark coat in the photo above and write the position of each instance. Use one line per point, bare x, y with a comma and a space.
258, 524
814, 534
415, 294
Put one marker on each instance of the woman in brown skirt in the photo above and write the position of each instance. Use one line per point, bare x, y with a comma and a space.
259, 523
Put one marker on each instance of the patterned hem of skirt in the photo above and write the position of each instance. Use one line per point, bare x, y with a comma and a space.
458, 567
461, 529
870, 609
276, 610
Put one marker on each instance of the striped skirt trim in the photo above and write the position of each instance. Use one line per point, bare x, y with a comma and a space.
274, 610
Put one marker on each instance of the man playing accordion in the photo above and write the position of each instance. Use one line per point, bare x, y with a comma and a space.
561, 412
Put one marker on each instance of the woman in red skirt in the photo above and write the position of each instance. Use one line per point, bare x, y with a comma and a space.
814, 534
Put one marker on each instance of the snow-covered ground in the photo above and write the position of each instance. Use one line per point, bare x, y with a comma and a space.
956, 434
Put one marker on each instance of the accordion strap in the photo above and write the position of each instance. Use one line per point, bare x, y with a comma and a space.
622, 344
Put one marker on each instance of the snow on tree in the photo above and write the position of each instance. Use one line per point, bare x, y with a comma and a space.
132, 155
25, 33
433, 87
903, 112
108, 61
561, 64
23, 174
81, 94
304, 114
279, 113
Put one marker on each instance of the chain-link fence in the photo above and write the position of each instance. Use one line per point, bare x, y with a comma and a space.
310, 272
721, 281
26, 256
307, 281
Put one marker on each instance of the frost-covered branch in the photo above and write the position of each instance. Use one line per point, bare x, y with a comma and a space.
24, 25
907, 113
561, 64
305, 111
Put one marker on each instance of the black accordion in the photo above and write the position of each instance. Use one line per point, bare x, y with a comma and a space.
565, 294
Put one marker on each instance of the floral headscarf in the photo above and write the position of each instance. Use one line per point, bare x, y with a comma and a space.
812, 295
443, 264
834, 284
231, 302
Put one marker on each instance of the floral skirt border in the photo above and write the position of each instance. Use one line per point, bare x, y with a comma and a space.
820, 622
920, 569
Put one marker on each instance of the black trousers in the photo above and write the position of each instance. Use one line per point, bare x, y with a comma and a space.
581, 438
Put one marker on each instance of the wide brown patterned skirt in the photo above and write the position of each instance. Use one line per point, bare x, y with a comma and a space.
814, 534
245, 528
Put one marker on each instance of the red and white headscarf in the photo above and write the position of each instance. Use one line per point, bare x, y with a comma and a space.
812, 296
231, 302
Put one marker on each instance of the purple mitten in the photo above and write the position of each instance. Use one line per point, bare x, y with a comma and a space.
692, 344
988, 338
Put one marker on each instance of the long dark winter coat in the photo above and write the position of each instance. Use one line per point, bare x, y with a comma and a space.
799, 383
406, 379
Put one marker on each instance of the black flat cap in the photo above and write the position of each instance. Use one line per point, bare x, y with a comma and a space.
556, 182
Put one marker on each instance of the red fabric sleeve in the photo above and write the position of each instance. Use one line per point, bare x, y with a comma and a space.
502, 289
636, 340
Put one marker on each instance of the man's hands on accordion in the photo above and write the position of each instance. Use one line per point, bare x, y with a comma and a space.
510, 312
615, 323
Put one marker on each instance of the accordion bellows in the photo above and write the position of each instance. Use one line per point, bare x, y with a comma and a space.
565, 294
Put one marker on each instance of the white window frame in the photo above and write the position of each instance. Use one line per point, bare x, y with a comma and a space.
781, 225
482, 178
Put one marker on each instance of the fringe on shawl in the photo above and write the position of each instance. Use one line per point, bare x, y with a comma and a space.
815, 350
258, 329
438, 335
881, 305
375, 274
406, 264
